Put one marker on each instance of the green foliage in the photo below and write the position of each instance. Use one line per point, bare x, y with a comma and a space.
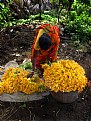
54, 1
26, 65
33, 19
87, 2
46, 18
3, 12
5, 15
79, 23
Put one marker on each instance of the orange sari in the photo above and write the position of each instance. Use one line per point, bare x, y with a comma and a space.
51, 53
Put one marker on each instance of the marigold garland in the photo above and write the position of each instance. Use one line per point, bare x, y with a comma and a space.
15, 79
64, 76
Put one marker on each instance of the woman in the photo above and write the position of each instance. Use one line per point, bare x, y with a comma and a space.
45, 46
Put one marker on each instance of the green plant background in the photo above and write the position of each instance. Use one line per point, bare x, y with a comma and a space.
77, 21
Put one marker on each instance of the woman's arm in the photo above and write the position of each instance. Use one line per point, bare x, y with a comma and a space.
33, 60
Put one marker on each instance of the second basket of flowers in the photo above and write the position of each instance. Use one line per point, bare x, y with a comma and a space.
64, 76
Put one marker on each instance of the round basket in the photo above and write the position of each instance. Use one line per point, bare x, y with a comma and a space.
67, 97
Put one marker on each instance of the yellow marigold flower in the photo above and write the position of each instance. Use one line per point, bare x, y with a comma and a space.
15, 79
1, 87
64, 76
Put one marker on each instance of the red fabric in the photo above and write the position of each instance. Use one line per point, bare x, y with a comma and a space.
50, 54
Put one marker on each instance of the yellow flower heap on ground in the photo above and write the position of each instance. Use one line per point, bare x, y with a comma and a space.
15, 79
64, 76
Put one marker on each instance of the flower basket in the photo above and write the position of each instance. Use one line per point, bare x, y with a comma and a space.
65, 79
67, 97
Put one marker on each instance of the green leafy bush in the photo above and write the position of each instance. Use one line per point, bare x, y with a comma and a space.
5, 14
79, 23
46, 18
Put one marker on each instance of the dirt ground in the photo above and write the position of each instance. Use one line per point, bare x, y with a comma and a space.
15, 44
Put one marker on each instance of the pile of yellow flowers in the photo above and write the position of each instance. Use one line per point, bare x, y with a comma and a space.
15, 79
64, 76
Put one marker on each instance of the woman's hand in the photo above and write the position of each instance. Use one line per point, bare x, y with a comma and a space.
30, 75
